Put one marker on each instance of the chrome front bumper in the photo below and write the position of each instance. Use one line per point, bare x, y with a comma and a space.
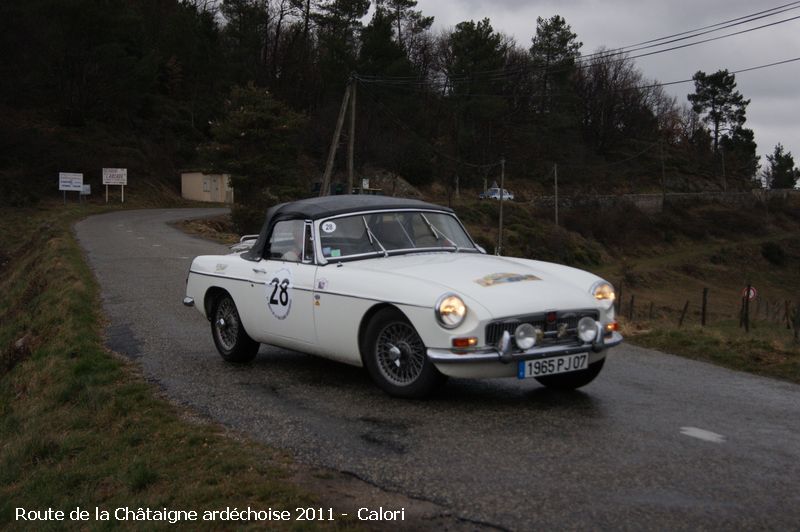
496, 354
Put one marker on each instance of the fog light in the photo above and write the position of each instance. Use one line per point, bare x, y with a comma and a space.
525, 336
587, 329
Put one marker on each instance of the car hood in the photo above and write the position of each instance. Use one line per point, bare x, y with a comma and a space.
504, 286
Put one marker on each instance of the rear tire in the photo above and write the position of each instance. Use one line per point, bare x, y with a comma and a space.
232, 341
574, 379
396, 358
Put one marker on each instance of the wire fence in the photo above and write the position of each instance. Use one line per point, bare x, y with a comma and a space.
703, 310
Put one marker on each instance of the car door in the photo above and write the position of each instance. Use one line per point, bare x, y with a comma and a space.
285, 286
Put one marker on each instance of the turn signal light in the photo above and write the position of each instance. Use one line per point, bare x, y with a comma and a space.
613, 326
461, 343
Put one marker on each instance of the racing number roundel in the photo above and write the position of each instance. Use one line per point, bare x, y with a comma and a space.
279, 293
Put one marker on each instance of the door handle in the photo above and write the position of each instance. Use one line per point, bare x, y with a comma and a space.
259, 270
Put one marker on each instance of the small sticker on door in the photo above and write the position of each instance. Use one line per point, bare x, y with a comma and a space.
328, 227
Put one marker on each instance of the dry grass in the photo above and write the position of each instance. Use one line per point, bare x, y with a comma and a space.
77, 426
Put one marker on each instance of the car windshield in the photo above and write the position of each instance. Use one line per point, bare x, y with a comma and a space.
385, 233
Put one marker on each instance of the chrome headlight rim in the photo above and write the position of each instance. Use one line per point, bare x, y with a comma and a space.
440, 319
608, 302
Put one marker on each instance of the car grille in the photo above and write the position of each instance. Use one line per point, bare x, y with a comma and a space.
568, 318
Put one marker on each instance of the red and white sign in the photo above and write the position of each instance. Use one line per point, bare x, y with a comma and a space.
752, 295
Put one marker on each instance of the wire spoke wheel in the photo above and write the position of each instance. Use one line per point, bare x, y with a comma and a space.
232, 341
396, 357
226, 321
400, 353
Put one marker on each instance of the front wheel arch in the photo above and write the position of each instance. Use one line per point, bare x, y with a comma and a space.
396, 357
211, 296
363, 327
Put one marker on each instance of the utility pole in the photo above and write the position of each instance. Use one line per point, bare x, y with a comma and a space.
555, 181
502, 189
351, 141
663, 175
326, 177
724, 177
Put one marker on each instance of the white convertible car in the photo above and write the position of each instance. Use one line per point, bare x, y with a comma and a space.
398, 286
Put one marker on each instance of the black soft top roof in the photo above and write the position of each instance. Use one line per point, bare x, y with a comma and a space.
325, 206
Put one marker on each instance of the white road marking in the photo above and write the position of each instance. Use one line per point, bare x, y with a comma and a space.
701, 434
183, 257
156, 245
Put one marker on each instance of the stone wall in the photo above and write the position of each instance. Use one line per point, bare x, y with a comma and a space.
652, 203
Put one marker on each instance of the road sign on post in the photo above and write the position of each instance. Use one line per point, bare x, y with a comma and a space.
115, 176
750, 292
70, 182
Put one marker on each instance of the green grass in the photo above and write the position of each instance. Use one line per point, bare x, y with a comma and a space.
78, 427
768, 349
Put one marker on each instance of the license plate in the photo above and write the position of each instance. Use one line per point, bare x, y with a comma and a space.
552, 366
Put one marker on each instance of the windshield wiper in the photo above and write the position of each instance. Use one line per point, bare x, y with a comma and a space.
438, 235
374, 239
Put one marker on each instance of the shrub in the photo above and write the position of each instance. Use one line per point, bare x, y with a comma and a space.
773, 252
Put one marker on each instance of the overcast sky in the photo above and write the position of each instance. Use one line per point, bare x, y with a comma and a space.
774, 110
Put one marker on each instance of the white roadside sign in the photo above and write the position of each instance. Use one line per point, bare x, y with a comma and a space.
115, 176
70, 182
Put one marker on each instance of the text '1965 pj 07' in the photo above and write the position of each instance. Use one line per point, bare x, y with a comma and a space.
397, 285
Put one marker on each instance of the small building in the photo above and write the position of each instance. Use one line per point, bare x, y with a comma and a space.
214, 188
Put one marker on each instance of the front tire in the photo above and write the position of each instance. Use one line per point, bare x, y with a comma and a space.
396, 357
574, 379
232, 341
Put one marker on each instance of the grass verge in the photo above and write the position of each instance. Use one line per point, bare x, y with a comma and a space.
768, 349
78, 427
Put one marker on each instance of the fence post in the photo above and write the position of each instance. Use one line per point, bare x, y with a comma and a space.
705, 303
683, 313
741, 313
747, 309
630, 310
786, 314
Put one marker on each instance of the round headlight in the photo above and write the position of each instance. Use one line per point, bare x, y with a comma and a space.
603, 291
587, 329
525, 336
450, 311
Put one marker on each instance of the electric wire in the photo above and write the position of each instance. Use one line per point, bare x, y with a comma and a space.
719, 25
501, 74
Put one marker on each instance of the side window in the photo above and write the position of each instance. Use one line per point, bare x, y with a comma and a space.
286, 242
308, 246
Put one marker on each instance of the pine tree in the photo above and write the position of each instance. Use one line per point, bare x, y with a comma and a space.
781, 172
716, 96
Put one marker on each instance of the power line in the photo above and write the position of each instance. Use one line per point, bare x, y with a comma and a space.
392, 116
584, 62
421, 89
725, 24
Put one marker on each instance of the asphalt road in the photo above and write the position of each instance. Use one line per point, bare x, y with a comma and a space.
656, 442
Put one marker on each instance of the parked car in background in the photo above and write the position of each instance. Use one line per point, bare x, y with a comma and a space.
494, 193
399, 286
